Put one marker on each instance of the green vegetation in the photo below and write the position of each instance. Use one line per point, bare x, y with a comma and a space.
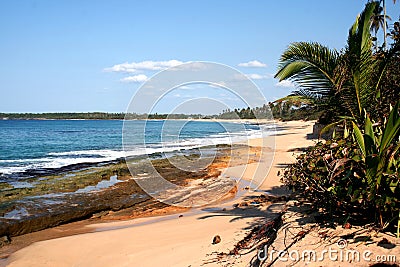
294, 107
357, 90
348, 82
93, 116
244, 113
355, 174
64, 116
287, 108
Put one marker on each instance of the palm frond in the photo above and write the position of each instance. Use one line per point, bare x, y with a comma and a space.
358, 92
311, 66
359, 38
295, 99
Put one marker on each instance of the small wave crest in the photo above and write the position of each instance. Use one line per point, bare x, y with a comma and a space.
56, 160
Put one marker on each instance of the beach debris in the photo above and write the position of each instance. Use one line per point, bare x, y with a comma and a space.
260, 235
180, 216
216, 239
324, 234
347, 226
300, 234
4, 240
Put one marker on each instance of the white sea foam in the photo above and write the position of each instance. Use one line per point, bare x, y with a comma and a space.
62, 159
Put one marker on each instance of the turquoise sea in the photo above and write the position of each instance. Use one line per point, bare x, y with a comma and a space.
32, 145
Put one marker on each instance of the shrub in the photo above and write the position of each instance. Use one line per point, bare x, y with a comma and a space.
331, 175
356, 174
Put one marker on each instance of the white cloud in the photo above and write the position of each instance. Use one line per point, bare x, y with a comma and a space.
255, 76
144, 65
124, 67
253, 64
135, 79
285, 83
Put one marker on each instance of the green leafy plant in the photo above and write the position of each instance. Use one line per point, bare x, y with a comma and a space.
341, 83
355, 173
331, 175
378, 153
358, 169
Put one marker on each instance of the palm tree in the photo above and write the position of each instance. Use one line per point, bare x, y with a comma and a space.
384, 21
312, 67
339, 81
395, 33
378, 20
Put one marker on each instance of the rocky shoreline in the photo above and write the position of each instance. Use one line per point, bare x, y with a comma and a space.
106, 192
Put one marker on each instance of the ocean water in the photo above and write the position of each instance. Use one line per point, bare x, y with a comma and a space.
27, 145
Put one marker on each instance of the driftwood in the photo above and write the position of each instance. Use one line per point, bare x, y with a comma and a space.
259, 237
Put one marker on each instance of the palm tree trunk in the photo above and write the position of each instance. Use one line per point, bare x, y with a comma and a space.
384, 25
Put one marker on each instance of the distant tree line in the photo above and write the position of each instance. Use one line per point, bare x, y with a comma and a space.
94, 116
288, 108
64, 116
294, 107
175, 116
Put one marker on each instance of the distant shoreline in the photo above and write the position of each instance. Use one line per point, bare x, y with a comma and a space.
97, 116
250, 121
244, 113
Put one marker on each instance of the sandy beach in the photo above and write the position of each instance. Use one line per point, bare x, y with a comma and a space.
196, 134
180, 239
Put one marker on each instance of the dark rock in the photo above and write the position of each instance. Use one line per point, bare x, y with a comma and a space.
4, 240
74, 207
216, 239
26, 212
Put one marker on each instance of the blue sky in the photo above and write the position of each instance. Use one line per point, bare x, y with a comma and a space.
77, 56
